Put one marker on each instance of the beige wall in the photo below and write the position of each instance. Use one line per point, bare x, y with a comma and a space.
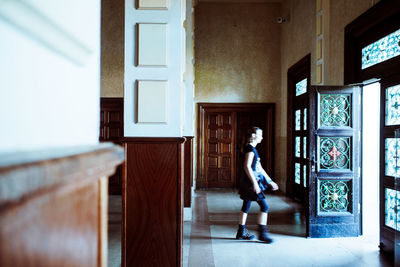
298, 40
341, 13
112, 48
237, 54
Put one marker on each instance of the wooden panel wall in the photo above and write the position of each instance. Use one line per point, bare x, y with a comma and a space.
112, 130
153, 202
188, 166
53, 206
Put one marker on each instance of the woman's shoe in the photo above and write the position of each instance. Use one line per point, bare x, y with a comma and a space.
243, 233
263, 234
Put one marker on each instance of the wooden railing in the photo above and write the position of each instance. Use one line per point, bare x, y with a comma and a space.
53, 206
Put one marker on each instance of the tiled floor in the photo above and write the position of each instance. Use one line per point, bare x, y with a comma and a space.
114, 230
212, 232
209, 237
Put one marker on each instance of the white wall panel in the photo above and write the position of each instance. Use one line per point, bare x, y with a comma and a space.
172, 72
152, 101
153, 4
152, 44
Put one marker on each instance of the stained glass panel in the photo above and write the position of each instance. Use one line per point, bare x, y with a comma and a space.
392, 166
381, 50
335, 110
304, 176
305, 147
335, 153
301, 87
305, 119
334, 196
297, 173
392, 116
392, 217
297, 146
297, 120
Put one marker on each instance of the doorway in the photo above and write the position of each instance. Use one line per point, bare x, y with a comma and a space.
221, 131
370, 162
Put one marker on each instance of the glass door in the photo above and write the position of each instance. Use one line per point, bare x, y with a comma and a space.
390, 165
397, 200
334, 161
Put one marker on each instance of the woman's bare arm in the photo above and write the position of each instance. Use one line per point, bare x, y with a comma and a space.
271, 183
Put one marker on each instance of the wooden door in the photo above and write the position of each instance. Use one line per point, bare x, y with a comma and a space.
220, 143
334, 161
220, 128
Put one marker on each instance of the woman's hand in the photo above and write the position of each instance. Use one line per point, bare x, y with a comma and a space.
273, 186
256, 188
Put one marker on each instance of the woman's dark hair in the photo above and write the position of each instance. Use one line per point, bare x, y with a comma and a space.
249, 134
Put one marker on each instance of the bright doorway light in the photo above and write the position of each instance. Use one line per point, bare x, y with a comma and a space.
370, 164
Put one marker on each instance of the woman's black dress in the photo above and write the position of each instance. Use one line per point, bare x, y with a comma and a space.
246, 189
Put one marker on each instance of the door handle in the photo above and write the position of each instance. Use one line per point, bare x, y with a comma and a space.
312, 163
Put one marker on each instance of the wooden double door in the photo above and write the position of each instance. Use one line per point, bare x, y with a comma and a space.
222, 130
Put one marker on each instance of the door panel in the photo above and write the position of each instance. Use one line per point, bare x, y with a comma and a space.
334, 161
219, 153
389, 162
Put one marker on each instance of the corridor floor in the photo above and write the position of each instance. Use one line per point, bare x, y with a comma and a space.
209, 237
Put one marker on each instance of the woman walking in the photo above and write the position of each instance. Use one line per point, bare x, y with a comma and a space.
251, 189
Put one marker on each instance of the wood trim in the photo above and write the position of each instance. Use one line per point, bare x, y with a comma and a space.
153, 140
188, 167
269, 133
49, 199
153, 202
103, 222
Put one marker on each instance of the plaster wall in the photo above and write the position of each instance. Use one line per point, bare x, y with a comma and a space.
342, 12
237, 52
47, 98
298, 40
112, 48
237, 55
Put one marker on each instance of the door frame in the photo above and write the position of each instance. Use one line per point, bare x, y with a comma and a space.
300, 70
268, 141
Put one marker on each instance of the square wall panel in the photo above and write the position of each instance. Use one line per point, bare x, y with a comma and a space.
152, 44
152, 4
152, 101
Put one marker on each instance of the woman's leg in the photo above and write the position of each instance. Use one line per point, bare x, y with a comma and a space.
242, 232
262, 221
242, 217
